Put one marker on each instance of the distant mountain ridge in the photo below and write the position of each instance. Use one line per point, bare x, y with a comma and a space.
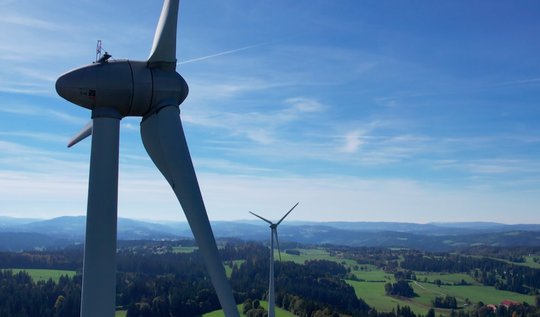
20, 234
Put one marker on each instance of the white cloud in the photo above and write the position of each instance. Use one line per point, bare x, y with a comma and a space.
130, 126
302, 104
353, 142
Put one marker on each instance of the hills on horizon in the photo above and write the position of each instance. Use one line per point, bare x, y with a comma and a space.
22, 234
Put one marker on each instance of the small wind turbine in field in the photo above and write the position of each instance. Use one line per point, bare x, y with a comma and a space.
273, 234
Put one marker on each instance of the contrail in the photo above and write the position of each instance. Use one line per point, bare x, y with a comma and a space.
225, 52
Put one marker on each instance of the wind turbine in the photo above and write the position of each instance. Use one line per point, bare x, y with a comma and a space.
273, 233
153, 90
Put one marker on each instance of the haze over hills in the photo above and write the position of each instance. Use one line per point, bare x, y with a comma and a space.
20, 234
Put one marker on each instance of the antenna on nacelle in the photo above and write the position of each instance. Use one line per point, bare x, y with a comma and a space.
98, 50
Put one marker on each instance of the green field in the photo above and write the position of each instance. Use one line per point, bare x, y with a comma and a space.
180, 249
372, 280
374, 294
445, 278
228, 268
279, 312
476, 293
305, 255
43, 274
120, 313
530, 262
373, 274
312, 254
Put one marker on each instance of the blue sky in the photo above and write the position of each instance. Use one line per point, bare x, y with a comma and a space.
412, 111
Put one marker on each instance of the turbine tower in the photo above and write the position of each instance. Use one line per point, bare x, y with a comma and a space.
153, 90
273, 234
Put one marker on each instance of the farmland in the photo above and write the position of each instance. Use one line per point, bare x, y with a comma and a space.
369, 284
309, 279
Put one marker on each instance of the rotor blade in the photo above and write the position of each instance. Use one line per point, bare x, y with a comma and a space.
277, 243
287, 214
164, 46
165, 142
85, 132
254, 214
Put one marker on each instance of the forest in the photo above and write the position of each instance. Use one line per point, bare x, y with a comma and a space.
167, 278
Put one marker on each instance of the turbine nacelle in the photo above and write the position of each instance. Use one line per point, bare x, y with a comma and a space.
131, 87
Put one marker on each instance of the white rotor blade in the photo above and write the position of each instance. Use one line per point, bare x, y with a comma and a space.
277, 243
277, 224
165, 142
164, 46
254, 214
85, 132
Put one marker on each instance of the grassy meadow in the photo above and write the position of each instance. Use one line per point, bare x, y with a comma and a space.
44, 274
371, 281
229, 268
120, 313
371, 289
180, 249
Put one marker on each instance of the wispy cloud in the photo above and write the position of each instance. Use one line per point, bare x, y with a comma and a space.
526, 81
27, 110
356, 199
353, 142
507, 167
230, 195
257, 126
18, 156
303, 104
16, 20
40, 136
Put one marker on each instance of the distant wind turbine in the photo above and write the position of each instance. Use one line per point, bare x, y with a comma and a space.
273, 234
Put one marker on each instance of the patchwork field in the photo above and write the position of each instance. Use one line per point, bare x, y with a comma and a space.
372, 291
371, 281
